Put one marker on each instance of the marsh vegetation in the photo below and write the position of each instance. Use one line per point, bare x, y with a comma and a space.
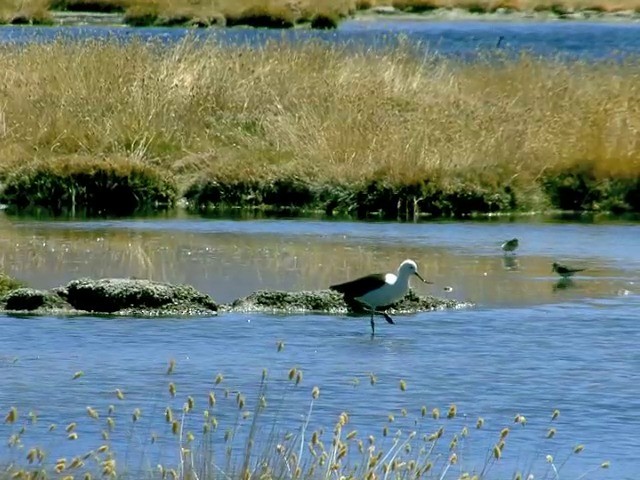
221, 432
315, 126
286, 13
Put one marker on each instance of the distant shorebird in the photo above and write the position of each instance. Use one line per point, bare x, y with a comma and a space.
380, 289
510, 245
565, 271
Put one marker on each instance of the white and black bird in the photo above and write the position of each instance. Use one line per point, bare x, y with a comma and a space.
380, 289
564, 271
510, 245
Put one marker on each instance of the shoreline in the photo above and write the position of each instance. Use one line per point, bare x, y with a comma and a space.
77, 18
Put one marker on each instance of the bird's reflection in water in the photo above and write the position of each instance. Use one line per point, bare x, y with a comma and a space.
563, 284
510, 262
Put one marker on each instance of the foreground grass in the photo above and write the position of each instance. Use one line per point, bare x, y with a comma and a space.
221, 433
283, 13
316, 126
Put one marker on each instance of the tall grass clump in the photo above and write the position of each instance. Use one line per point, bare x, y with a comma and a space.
220, 432
25, 12
7, 284
393, 130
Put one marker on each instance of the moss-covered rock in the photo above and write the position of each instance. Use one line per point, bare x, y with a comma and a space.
30, 299
146, 298
328, 301
111, 296
133, 296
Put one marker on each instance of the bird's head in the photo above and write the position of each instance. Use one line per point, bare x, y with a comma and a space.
408, 268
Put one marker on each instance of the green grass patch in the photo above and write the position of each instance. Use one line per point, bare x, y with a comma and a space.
99, 6
8, 284
91, 186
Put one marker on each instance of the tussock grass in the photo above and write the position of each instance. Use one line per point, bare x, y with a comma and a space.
8, 284
220, 432
315, 124
25, 12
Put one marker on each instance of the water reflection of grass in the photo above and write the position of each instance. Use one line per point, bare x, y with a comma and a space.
320, 126
221, 432
231, 265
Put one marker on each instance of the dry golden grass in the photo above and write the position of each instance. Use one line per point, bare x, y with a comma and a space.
220, 431
280, 13
321, 113
24, 11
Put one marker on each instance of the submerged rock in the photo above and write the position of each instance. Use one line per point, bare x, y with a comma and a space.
329, 301
116, 296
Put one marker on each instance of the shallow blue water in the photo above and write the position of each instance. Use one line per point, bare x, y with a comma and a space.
523, 353
584, 40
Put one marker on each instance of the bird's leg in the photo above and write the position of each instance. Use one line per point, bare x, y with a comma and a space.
373, 323
387, 317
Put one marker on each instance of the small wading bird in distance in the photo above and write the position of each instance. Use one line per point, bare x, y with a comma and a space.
379, 289
564, 271
510, 245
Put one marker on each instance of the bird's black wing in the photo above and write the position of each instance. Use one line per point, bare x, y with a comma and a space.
360, 286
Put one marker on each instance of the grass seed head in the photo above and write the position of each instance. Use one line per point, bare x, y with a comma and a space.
12, 416
555, 414
605, 464
119, 394
219, 379
172, 389
497, 452
72, 436
93, 413
135, 416
212, 399
453, 410
578, 448
551, 433
315, 393
435, 413
403, 385
77, 375
280, 345
171, 367
521, 419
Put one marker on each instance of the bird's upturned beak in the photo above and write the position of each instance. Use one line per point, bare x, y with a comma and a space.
423, 280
